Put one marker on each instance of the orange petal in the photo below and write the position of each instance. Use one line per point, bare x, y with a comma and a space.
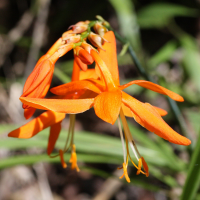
148, 117
84, 56
81, 65
104, 70
154, 87
42, 89
36, 125
28, 113
129, 113
161, 111
75, 86
76, 71
109, 56
90, 73
107, 105
59, 105
145, 166
37, 76
53, 136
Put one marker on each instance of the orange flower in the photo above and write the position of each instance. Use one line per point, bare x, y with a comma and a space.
53, 120
38, 82
110, 101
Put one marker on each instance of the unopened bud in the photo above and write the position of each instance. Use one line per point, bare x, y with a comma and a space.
83, 55
72, 39
79, 27
66, 34
87, 47
100, 29
96, 40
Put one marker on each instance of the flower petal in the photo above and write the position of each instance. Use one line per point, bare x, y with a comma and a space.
161, 111
39, 73
75, 86
59, 105
81, 65
104, 70
76, 71
154, 87
129, 113
109, 56
53, 136
90, 73
28, 112
148, 117
36, 125
107, 105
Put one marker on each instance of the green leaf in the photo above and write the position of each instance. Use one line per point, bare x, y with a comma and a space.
31, 159
61, 76
191, 62
193, 176
127, 21
159, 14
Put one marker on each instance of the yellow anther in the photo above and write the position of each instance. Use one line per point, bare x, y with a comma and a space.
125, 173
64, 165
139, 166
73, 159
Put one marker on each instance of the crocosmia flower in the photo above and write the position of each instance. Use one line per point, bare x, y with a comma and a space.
110, 102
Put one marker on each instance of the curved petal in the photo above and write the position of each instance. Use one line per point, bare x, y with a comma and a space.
128, 113
53, 136
81, 65
154, 87
148, 117
104, 71
107, 105
28, 112
161, 111
75, 86
59, 105
109, 56
75, 72
42, 89
36, 125
37, 76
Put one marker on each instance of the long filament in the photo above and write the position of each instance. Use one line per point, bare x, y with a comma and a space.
122, 139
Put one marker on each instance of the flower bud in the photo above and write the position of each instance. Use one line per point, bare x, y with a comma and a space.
100, 29
87, 47
79, 27
72, 39
83, 55
96, 40
66, 34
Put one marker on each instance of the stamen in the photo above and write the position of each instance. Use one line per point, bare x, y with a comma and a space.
64, 165
73, 159
125, 173
134, 150
129, 139
122, 140
139, 166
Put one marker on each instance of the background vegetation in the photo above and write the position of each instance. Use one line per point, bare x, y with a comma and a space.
165, 36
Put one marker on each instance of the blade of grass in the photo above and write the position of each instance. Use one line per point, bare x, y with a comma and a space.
193, 176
